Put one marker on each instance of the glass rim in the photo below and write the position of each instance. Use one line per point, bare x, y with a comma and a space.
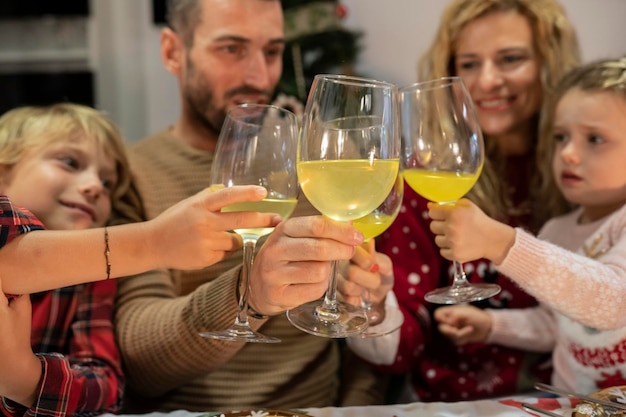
261, 106
439, 82
355, 80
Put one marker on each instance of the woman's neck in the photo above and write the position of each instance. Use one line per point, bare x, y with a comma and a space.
520, 140
518, 143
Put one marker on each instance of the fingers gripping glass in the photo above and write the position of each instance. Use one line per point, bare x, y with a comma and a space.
382, 320
443, 155
257, 146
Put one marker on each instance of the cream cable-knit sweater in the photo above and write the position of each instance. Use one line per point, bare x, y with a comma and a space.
590, 291
584, 277
160, 313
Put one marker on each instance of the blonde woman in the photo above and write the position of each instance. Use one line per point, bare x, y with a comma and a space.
511, 54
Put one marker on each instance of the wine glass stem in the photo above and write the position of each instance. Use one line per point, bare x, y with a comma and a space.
328, 310
366, 300
249, 245
460, 279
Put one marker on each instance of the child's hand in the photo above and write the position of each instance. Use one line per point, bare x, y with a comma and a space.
465, 233
193, 233
463, 324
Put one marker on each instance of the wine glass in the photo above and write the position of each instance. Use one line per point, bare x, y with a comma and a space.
257, 146
443, 155
348, 159
372, 225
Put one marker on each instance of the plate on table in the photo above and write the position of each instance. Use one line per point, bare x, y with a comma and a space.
614, 394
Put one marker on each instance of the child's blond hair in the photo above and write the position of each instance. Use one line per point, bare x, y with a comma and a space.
600, 75
30, 127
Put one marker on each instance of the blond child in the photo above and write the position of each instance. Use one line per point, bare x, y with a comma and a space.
66, 165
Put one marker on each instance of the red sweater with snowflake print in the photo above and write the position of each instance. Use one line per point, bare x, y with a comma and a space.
439, 370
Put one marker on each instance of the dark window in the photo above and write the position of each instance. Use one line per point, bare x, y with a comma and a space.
11, 9
159, 11
20, 89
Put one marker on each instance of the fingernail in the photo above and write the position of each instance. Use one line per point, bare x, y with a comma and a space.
375, 268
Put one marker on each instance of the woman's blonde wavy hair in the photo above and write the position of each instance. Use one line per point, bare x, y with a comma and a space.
30, 127
597, 76
556, 44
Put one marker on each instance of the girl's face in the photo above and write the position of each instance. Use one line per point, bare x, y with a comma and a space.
588, 164
495, 57
66, 184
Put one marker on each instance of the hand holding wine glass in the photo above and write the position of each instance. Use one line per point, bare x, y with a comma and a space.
348, 158
372, 225
443, 155
257, 146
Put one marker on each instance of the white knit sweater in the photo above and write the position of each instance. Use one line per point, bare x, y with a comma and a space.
579, 272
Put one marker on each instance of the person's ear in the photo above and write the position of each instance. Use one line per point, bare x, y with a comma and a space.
172, 51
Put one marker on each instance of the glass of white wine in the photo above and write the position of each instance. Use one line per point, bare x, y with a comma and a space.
381, 322
443, 155
348, 159
257, 146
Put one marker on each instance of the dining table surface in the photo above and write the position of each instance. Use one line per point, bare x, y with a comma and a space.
503, 407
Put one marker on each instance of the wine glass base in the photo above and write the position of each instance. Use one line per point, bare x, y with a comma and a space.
392, 322
348, 320
462, 294
240, 335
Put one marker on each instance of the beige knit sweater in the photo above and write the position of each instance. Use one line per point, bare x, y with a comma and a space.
160, 313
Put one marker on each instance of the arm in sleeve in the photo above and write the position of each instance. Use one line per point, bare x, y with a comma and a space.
157, 330
87, 380
532, 328
380, 350
418, 269
586, 290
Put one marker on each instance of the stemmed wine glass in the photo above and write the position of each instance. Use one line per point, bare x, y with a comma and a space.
257, 146
373, 225
443, 155
348, 158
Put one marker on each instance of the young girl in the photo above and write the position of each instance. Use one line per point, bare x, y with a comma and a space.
67, 165
577, 266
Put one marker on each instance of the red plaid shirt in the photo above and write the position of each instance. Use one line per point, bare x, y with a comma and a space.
72, 334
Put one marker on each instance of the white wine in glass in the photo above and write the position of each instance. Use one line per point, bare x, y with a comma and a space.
443, 155
348, 159
373, 225
257, 146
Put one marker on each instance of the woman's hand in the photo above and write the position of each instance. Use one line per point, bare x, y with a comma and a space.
367, 270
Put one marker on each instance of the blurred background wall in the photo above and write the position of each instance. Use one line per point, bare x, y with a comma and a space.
117, 42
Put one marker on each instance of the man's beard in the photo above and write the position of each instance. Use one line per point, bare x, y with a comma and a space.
200, 99
200, 102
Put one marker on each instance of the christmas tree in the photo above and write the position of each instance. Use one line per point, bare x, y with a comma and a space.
317, 43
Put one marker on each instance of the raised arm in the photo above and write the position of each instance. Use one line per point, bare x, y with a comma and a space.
587, 288
190, 235
589, 291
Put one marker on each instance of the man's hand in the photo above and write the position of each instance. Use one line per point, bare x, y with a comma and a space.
293, 265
